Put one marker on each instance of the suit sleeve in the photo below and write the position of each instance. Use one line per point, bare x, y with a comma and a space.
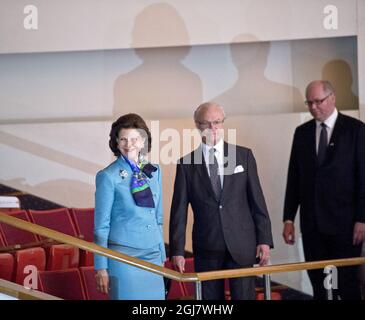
360, 162
104, 197
159, 216
178, 214
258, 205
159, 207
292, 194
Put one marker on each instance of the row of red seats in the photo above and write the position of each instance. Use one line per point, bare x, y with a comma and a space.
67, 284
80, 284
77, 223
71, 284
74, 222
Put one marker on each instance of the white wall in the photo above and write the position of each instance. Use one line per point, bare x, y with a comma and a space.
90, 61
246, 78
112, 24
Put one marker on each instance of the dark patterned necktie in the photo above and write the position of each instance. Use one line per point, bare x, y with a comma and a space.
214, 173
322, 146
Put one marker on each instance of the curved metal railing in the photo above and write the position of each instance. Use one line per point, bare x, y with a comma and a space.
171, 274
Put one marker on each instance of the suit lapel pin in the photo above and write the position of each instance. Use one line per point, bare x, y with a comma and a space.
225, 160
123, 173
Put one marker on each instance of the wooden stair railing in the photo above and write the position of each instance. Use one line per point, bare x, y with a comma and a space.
168, 273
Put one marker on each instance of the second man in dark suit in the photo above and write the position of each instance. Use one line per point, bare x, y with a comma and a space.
326, 179
231, 223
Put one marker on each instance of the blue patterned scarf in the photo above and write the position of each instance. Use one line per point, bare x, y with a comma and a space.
140, 188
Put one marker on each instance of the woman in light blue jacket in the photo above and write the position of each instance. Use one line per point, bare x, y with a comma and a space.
128, 214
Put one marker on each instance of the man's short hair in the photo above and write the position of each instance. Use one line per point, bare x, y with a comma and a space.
204, 106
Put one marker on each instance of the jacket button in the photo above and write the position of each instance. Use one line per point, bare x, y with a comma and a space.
149, 226
220, 207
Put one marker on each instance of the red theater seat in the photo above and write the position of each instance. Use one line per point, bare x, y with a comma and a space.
84, 223
177, 290
88, 278
57, 219
189, 286
12, 235
227, 291
274, 295
65, 284
62, 256
2, 242
28, 257
6, 266
86, 258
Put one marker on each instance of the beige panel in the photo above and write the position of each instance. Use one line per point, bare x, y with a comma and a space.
71, 25
255, 91
361, 72
160, 87
361, 54
328, 59
246, 78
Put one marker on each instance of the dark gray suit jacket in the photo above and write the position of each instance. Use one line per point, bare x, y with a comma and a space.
331, 197
238, 221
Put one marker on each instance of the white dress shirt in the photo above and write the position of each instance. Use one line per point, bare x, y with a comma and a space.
219, 154
330, 124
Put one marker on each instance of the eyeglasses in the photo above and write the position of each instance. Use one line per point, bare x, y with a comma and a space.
309, 103
133, 140
207, 124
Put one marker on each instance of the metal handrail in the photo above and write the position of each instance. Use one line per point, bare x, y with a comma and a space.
21, 293
171, 274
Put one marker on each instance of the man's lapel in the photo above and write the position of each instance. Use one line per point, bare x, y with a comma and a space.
230, 162
201, 168
311, 138
333, 143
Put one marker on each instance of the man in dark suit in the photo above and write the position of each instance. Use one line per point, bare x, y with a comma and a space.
326, 178
231, 223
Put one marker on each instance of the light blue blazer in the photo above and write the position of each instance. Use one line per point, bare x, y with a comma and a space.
118, 220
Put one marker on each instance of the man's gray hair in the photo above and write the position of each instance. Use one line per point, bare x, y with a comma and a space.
326, 85
204, 106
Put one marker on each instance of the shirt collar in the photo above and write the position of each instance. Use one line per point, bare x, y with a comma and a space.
218, 147
330, 121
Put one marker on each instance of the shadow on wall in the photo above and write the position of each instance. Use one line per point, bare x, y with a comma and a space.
161, 87
253, 93
67, 192
339, 73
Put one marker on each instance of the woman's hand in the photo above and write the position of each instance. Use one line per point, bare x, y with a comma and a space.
102, 281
